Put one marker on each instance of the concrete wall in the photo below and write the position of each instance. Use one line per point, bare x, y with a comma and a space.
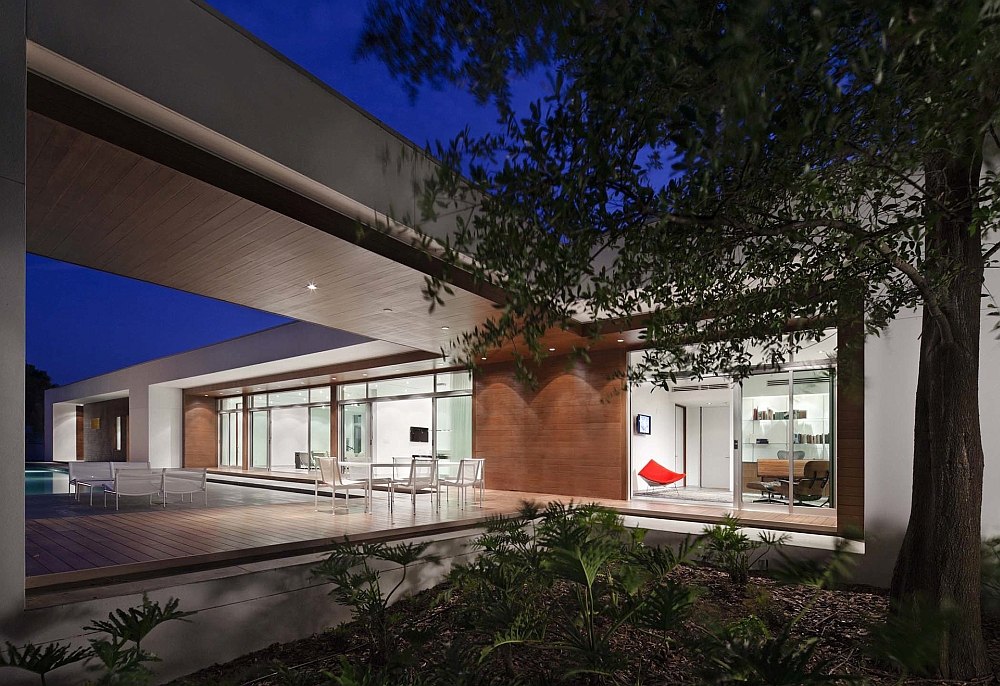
239, 610
12, 233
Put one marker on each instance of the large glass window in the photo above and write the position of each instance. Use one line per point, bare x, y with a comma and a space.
454, 427
387, 423
414, 385
319, 429
354, 432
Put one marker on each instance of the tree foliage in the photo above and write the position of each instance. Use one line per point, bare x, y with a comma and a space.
732, 179
714, 173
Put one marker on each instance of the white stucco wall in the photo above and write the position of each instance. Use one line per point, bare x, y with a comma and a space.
890, 389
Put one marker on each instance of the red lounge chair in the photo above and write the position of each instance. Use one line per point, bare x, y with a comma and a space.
655, 474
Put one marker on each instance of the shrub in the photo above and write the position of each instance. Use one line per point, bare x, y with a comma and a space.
729, 548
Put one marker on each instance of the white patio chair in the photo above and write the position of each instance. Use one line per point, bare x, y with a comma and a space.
422, 477
469, 476
136, 482
330, 476
91, 475
185, 481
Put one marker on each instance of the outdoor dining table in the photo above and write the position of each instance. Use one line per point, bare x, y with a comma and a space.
371, 471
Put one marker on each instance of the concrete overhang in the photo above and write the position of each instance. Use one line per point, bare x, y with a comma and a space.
167, 145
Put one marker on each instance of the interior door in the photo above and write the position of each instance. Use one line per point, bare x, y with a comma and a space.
355, 432
680, 441
716, 465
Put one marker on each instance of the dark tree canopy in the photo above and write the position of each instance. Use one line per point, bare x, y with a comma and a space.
733, 177
758, 162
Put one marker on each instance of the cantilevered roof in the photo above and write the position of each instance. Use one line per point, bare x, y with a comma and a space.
166, 145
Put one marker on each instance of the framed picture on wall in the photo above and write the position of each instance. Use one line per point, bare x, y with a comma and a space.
643, 424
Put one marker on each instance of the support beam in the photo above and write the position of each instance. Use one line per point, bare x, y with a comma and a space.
12, 240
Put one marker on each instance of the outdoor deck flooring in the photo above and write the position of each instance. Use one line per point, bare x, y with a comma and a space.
71, 543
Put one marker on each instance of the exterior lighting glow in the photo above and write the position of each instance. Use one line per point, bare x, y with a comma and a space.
311, 286
445, 328
552, 350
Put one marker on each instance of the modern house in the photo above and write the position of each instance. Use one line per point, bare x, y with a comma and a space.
155, 140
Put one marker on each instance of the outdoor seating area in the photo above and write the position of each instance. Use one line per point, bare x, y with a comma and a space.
413, 475
135, 479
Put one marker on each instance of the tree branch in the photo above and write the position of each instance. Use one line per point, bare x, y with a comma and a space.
922, 285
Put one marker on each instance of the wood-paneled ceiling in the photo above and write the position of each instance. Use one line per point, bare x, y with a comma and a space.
92, 203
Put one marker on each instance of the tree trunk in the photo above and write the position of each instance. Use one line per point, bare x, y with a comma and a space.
939, 562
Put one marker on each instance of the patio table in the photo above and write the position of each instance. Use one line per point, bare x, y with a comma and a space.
371, 470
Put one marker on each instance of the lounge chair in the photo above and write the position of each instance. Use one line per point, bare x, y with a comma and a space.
90, 475
136, 482
655, 474
185, 482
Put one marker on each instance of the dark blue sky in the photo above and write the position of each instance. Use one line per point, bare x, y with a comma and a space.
82, 322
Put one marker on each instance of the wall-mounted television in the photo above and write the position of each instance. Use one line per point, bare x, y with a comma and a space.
643, 424
420, 434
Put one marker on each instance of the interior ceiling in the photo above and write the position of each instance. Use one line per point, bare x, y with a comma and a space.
95, 204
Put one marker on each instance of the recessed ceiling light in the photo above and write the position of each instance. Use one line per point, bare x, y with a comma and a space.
333, 378
445, 328
484, 357
311, 286
364, 375
552, 350
387, 309
621, 340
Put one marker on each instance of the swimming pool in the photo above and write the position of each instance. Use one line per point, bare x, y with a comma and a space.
40, 480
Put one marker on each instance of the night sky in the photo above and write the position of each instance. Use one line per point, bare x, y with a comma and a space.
82, 323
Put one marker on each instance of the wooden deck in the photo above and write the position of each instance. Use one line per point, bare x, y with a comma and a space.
83, 549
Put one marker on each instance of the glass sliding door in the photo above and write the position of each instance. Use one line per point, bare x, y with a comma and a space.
453, 427
319, 429
259, 439
289, 435
764, 471
355, 432
231, 439
812, 437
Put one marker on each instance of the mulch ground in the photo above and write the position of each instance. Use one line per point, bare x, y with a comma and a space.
433, 621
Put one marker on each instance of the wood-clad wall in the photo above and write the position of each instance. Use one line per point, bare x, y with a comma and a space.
201, 431
850, 476
99, 443
569, 436
79, 432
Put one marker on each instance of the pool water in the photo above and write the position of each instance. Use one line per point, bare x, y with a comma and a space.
43, 481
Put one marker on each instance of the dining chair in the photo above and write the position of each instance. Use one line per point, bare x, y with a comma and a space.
469, 476
422, 477
330, 476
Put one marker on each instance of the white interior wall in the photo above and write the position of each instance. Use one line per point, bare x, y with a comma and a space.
64, 431
659, 444
393, 420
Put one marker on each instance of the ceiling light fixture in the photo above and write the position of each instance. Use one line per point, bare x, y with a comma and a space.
445, 328
387, 309
311, 286
552, 350
621, 340
484, 357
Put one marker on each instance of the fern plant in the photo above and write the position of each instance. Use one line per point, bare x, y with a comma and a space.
41, 659
729, 548
357, 583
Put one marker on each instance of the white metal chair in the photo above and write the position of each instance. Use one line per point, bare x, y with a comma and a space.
422, 477
469, 476
90, 474
331, 477
185, 482
136, 482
